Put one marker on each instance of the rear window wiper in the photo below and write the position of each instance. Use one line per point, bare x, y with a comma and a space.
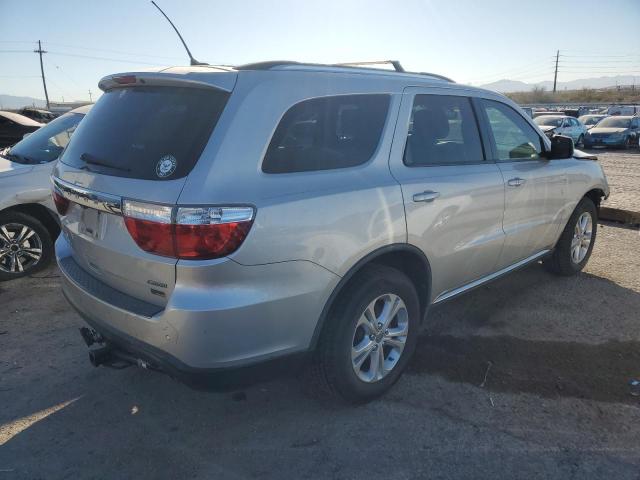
92, 160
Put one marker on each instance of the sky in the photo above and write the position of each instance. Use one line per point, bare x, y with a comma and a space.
471, 41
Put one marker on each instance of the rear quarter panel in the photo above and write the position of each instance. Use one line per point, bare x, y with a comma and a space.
333, 217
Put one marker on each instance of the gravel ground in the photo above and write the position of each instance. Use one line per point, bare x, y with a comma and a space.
523, 378
623, 173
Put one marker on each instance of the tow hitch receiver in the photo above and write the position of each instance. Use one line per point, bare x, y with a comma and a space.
108, 355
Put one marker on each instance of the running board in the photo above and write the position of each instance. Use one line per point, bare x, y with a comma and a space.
476, 283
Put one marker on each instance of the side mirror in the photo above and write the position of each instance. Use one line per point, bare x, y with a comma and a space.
561, 147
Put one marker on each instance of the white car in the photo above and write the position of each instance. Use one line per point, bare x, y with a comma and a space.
28, 223
562, 125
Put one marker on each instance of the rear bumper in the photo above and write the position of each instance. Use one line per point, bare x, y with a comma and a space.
266, 313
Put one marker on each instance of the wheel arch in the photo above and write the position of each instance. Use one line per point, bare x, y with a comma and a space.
39, 212
595, 195
404, 257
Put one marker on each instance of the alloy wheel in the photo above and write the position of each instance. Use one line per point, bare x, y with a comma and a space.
379, 338
581, 237
20, 248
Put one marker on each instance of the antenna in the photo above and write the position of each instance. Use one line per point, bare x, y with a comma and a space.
191, 59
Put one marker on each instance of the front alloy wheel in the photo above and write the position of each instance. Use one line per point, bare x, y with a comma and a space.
581, 238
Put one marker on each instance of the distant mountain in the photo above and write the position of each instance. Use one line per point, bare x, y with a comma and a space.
508, 86
11, 102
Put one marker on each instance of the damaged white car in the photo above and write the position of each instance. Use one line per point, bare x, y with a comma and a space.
28, 223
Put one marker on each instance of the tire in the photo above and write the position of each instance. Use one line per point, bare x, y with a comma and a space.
580, 141
38, 243
333, 368
564, 260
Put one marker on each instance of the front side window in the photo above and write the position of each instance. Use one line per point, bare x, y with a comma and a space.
442, 131
513, 137
327, 133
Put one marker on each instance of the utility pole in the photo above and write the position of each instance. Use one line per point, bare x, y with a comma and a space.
90, 98
555, 76
44, 83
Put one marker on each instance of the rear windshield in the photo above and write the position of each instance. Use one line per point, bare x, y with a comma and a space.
150, 133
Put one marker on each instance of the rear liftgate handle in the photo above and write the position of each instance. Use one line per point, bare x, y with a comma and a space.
428, 196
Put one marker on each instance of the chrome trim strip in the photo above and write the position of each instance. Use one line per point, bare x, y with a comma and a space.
88, 198
476, 283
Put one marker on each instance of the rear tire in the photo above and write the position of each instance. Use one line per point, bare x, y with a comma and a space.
17, 254
576, 242
358, 357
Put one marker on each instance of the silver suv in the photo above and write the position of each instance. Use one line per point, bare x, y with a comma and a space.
219, 220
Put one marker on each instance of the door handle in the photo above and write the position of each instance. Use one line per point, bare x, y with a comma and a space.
428, 196
516, 182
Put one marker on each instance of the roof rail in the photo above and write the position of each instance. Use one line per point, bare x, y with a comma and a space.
363, 65
396, 64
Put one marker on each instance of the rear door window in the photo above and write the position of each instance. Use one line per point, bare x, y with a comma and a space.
150, 133
442, 131
327, 133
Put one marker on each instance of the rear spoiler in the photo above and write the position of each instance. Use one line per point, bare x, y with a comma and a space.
218, 80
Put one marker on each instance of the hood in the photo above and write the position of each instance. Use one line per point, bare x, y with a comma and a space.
607, 130
9, 168
547, 128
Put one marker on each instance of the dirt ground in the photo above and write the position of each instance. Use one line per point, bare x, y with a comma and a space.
622, 168
523, 378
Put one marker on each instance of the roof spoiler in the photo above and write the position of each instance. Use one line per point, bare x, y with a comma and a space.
138, 79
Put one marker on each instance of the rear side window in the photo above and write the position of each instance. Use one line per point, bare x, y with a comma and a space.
150, 133
513, 137
327, 133
442, 131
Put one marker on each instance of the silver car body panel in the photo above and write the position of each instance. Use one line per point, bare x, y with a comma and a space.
310, 228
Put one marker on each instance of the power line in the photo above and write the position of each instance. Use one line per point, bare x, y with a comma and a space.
91, 49
105, 59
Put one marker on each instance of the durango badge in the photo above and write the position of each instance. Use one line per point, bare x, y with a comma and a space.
166, 166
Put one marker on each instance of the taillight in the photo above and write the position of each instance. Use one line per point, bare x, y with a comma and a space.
187, 232
62, 204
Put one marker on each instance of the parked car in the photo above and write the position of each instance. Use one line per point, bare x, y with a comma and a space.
615, 131
562, 125
13, 127
625, 110
591, 120
42, 116
528, 111
28, 222
219, 219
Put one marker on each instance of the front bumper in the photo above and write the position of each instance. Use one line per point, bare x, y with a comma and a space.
603, 142
269, 312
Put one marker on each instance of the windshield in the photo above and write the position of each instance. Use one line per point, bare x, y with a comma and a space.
150, 132
615, 122
590, 120
45, 144
548, 121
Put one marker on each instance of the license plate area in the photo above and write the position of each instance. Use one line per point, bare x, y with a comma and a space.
92, 223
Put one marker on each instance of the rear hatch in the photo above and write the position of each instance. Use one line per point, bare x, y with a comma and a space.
139, 142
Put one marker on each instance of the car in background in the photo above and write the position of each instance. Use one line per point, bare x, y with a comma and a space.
28, 224
528, 111
614, 131
591, 120
562, 125
37, 114
624, 110
13, 128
